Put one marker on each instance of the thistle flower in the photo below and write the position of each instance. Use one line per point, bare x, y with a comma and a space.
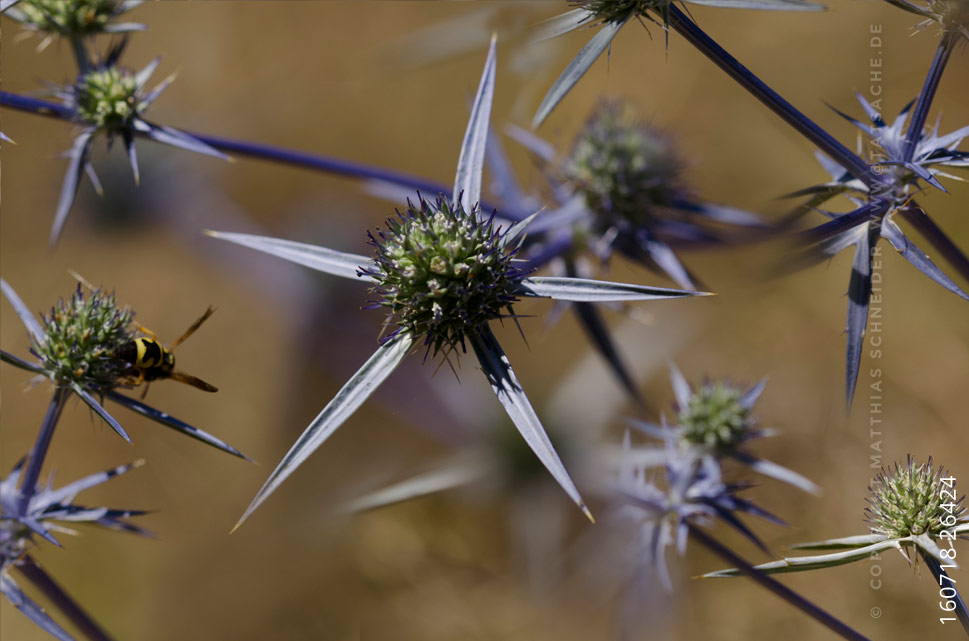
951, 15
46, 511
716, 419
441, 271
609, 16
110, 100
81, 339
630, 178
438, 269
78, 347
911, 500
72, 18
620, 189
692, 490
48, 508
910, 509
902, 160
625, 171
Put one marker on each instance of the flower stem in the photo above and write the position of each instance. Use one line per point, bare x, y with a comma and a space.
306, 160
808, 128
700, 536
80, 55
924, 102
39, 453
61, 600
946, 582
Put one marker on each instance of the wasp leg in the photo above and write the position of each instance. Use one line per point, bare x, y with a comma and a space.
147, 332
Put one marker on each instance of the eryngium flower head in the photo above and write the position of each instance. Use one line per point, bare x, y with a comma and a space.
619, 10
625, 169
108, 99
909, 500
953, 15
716, 417
71, 17
933, 152
49, 508
442, 272
81, 338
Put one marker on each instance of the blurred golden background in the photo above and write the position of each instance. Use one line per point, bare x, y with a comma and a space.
347, 79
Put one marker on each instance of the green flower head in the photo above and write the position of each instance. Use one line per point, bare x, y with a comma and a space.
71, 17
108, 99
953, 15
717, 417
81, 337
627, 172
619, 11
442, 272
910, 500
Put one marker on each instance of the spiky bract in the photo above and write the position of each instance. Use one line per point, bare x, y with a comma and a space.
442, 272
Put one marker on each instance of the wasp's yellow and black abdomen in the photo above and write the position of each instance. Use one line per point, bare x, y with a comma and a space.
149, 357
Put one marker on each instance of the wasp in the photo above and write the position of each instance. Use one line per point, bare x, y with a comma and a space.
153, 361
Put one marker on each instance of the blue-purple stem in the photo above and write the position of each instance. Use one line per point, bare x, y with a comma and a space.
39, 453
793, 598
56, 595
80, 55
863, 214
282, 155
924, 102
808, 128
945, 581
917, 217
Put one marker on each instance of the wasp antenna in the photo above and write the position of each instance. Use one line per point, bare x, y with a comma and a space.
81, 279
194, 326
195, 382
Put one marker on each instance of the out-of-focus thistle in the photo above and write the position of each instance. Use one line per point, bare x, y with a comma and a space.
48, 507
660, 505
913, 508
716, 419
621, 189
48, 510
627, 171
609, 16
951, 15
110, 100
902, 159
444, 272
72, 18
77, 347
633, 197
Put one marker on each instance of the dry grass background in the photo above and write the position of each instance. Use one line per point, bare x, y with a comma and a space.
327, 77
